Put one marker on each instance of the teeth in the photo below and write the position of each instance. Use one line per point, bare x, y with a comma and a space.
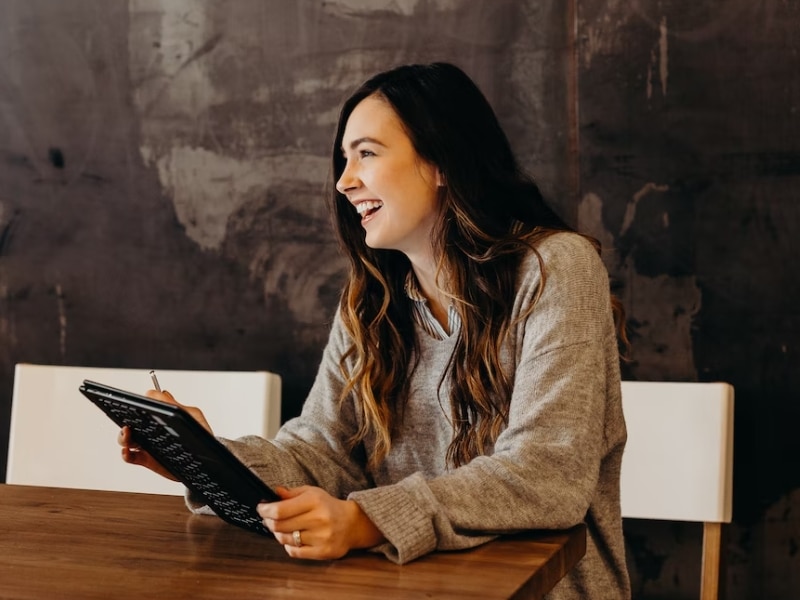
363, 207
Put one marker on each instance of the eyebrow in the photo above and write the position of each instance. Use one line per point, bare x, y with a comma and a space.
354, 144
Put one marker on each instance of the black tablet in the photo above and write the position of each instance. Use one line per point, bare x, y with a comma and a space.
192, 454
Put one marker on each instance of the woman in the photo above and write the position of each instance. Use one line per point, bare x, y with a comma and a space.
470, 385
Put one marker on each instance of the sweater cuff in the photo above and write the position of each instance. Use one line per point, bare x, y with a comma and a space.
408, 530
196, 504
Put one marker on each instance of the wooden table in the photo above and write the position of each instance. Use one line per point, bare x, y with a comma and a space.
67, 543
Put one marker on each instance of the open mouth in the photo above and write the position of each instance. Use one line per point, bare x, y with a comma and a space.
368, 208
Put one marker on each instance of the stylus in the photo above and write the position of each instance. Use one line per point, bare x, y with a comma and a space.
155, 381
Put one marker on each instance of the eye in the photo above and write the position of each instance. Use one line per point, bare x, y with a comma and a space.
364, 153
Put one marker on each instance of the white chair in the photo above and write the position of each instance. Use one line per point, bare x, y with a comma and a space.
678, 462
59, 438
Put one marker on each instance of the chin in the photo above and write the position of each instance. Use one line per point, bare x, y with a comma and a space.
374, 242
375, 246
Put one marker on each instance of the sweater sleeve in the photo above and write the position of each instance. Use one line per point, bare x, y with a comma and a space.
312, 448
543, 473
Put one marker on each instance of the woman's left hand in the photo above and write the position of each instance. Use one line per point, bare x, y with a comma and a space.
310, 523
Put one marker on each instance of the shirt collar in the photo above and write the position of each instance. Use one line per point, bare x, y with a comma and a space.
412, 288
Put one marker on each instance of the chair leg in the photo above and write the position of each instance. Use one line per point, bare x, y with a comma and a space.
710, 574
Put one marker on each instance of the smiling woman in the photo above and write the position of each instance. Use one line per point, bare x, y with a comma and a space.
384, 174
470, 386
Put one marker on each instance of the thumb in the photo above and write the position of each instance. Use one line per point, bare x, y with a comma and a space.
287, 493
164, 396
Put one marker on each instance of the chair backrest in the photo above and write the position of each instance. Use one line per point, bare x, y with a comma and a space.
678, 462
59, 438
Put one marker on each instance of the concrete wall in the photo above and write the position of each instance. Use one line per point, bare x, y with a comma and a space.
163, 165
690, 165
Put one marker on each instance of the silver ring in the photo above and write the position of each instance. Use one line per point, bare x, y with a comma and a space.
296, 536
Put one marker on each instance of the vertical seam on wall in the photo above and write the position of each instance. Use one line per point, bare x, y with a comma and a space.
573, 108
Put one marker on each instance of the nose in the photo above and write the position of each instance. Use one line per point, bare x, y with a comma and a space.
348, 180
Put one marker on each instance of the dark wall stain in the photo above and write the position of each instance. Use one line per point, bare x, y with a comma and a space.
56, 158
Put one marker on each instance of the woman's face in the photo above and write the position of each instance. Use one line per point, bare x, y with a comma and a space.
387, 182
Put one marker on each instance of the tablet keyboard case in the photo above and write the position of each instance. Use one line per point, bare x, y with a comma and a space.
189, 452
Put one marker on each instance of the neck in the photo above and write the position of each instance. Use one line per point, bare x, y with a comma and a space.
438, 301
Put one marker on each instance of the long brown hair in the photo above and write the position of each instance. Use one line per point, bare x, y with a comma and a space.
490, 216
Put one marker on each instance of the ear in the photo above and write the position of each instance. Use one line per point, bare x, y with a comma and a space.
441, 181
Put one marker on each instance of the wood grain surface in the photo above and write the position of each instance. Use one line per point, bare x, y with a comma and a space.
67, 543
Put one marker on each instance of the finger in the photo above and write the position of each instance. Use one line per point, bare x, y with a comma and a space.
286, 538
137, 456
125, 439
131, 455
293, 503
287, 493
287, 526
163, 396
167, 397
307, 548
313, 552
144, 459
296, 552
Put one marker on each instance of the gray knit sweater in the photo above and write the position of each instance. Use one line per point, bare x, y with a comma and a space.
557, 463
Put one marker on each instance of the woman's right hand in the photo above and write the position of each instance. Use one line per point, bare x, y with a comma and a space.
134, 454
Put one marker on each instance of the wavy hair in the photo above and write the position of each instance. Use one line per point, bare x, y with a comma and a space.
491, 214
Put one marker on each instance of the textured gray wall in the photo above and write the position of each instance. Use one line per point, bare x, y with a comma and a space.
690, 166
163, 165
